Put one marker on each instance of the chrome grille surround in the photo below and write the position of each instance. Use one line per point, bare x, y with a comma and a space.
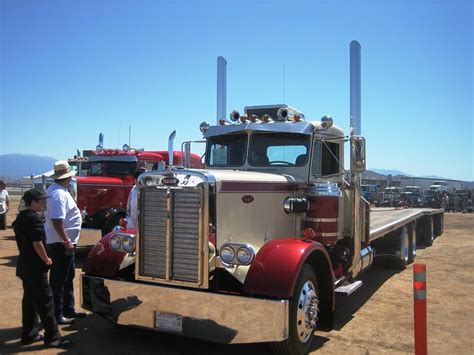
172, 245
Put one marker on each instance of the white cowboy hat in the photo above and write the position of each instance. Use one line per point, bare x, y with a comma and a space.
62, 170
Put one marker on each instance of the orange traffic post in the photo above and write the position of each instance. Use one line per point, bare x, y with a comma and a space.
419, 305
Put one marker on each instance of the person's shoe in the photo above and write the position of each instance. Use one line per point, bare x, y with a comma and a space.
76, 315
28, 341
61, 343
64, 321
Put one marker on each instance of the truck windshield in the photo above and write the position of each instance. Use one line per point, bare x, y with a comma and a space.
226, 150
285, 149
111, 168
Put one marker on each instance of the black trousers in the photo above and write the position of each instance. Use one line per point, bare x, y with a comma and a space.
3, 221
61, 277
38, 300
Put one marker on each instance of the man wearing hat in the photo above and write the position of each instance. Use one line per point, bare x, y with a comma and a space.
4, 205
63, 226
32, 269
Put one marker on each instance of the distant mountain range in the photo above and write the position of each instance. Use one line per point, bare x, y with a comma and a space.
398, 172
16, 166
390, 172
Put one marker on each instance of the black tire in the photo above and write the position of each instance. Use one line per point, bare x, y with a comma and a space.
111, 223
438, 224
427, 230
412, 241
304, 308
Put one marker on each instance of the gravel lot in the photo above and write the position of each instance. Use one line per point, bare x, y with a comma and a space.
377, 318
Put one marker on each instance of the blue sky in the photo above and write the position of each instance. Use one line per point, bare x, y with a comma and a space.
72, 69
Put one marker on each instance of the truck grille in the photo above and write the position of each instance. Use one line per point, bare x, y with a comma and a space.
175, 212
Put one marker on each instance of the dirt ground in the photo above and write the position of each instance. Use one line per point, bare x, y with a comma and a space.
377, 318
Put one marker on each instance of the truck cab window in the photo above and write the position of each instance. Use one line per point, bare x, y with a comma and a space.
278, 149
324, 162
226, 151
119, 168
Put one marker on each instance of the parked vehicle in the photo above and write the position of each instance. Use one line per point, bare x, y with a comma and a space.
433, 199
391, 196
412, 195
253, 247
370, 193
102, 192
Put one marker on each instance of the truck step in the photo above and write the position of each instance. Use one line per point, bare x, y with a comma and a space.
349, 288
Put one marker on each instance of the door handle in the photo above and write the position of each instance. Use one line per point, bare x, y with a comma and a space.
101, 191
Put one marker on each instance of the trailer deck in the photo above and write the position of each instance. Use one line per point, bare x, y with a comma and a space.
385, 220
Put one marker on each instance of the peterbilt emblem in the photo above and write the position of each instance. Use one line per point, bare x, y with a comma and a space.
247, 199
170, 181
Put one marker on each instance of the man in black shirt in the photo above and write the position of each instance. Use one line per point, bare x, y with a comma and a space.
32, 269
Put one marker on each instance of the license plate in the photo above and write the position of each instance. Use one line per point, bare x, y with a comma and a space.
169, 322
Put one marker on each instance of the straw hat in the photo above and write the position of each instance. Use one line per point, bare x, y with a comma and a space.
62, 170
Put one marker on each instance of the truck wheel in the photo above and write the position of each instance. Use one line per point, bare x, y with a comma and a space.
303, 315
427, 229
438, 225
402, 262
109, 226
412, 243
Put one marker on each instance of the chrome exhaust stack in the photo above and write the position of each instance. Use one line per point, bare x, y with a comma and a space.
355, 87
170, 150
100, 145
361, 258
221, 89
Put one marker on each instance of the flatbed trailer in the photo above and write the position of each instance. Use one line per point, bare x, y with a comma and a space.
386, 220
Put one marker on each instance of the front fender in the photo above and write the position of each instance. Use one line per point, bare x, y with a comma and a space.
102, 260
277, 264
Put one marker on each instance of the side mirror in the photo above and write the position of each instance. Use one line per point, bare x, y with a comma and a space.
357, 154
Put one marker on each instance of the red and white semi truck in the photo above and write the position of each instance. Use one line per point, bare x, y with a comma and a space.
254, 247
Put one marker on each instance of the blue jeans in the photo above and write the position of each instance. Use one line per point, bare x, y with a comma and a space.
61, 278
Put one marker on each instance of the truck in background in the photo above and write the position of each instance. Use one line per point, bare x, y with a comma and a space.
425, 183
103, 189
412, 195
370, 193
254, 247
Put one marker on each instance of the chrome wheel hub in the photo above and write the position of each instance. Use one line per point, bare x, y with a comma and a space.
307, 311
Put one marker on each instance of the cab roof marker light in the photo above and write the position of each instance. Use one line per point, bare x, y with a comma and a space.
244, 119
204, 126
266, 118
234, 116
254, 118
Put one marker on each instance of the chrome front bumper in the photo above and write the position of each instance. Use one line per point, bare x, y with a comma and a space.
209, 316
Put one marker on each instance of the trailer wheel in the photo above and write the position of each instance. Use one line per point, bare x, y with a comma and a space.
402, 262
412, 242
438, 224
304, 309
427, 230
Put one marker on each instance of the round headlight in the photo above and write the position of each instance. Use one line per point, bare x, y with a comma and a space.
227, 254
128, 244
115, 242
244, 255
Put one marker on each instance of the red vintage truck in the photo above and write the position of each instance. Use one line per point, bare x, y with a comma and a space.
255, 246
102, 189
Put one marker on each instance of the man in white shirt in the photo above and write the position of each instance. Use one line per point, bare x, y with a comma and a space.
4, 205
132, 203
62, 227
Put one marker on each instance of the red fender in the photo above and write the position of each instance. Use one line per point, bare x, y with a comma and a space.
277, 264
102, 260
